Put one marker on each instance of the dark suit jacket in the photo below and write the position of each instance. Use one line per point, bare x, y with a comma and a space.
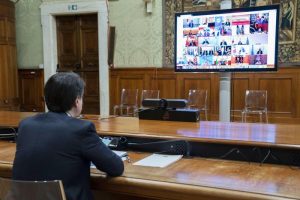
54, 146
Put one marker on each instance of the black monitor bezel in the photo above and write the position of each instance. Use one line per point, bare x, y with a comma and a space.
234, 10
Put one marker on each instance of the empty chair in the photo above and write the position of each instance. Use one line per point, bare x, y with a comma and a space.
255, 103
128, 103
149, 94
198, 99
31, 190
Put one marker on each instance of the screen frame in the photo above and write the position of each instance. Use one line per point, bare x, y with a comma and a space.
228, 11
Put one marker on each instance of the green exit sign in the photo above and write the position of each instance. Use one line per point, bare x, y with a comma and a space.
72, 7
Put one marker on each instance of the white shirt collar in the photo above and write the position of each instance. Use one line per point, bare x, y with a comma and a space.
69, 114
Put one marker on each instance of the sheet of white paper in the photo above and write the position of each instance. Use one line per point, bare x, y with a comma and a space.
106, 141
120, 153
158, 160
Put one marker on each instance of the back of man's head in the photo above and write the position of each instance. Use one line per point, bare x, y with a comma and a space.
61, 91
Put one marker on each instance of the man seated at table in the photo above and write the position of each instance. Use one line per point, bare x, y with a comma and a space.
58, 146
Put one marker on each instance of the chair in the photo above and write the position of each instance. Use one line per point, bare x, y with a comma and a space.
31, 190
255, 103
128, 104
197, 99
149, 94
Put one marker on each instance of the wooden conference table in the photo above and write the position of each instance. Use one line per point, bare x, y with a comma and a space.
188, 178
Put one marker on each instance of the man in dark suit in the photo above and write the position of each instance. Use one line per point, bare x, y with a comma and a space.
58, 146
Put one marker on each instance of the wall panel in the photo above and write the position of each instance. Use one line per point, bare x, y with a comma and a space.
283, 88
91, 93
113, 98
134, 82
8, 66
2, 31
282, 92
238, 88
31, 87
164, 82
128, 81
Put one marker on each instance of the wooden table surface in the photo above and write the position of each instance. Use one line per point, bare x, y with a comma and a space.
191, 178
256, 134
12, 119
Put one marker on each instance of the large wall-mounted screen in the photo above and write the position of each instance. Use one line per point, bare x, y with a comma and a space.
244, 39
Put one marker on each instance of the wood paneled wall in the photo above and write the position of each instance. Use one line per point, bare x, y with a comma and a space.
283, 89
31, 87
8, 57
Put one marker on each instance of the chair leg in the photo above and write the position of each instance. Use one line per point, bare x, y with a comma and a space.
127, 111
266, 114
260, 117
115, 110
243, 116
205, 112
135, 112
121, 111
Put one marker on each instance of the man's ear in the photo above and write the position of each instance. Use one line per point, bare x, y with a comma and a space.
76, 103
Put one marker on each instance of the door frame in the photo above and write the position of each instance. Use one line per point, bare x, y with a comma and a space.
48, 12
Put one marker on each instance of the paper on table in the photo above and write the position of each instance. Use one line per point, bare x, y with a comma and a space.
158, 160
120, 153
106, 141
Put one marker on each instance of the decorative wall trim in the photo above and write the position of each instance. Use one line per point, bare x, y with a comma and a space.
48, 12
288, 53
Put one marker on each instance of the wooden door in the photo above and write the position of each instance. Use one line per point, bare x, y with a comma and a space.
67, 43
77, 47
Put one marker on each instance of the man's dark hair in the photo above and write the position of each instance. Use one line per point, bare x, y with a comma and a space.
61, 91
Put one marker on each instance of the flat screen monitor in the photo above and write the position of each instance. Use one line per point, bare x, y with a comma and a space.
243, 39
